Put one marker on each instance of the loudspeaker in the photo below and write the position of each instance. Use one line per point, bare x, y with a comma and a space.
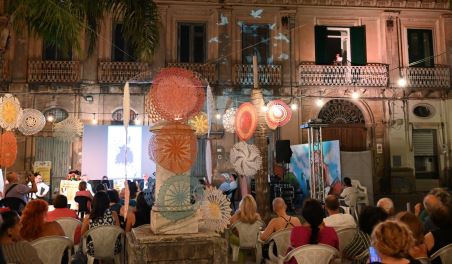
283, 151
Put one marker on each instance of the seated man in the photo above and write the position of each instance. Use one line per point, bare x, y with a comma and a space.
17, 189
348, 191
282, 221
335, 219
387, 205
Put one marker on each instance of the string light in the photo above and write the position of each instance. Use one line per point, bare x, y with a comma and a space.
218, 116
137, 121
50, 118
355, 95
401, 82
319, 102
264, 108
94, 120
293, 105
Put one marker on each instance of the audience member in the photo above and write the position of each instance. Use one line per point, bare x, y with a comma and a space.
113, 196
369, 217
42, 188
100, 188
17, 189
419, 249
282, 221
133, 189
106, 183
83, 192
84, 178
61, 209
228, 184
335, 219
13, 247
439, 205
392, 241
387, 205
314, 231
34, 223
247, 212
348, 191
100, 215
141, 215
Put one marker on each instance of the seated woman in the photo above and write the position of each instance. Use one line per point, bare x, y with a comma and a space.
369, 217
34, 224
133, 189
61, 210
13, 247
392, 241
314, 231
419, 249
100, 215
83, 192
141, 215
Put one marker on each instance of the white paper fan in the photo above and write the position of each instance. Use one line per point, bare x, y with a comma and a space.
32, 122
246, 159
229, 120
215, 209
68, 129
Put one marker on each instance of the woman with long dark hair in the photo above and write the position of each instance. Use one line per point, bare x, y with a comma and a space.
313, 231
141, 215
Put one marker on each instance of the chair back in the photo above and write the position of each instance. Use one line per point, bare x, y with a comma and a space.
52, 248
248, 233
69, 226
282, 240
444, 253
362, 195
14, 203
82, 205
313, 254
345, 236
104, 240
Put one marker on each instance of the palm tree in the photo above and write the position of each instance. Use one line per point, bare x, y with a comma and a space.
62, 22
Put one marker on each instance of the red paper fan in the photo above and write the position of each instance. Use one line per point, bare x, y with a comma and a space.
246, 121
278, 114
177, 94
173, 146
8, 149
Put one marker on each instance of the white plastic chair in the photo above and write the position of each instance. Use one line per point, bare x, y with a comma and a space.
248, 237
52, 248
282, 241
444, 253
69, 226
104, 240
345, 236
312, 254
363, 197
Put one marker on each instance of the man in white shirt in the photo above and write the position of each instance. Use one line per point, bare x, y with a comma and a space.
335, 219
348, 191
43, 189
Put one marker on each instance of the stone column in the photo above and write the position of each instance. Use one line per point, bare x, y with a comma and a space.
172, 212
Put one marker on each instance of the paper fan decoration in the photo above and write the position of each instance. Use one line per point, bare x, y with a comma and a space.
173, 147
32, 122
229, 120
245, 158
68, 129
216, 209
210, 102
126, 107
10, 112
8, 149
278, 114
199, 123
246, 121
177, 94
153, 116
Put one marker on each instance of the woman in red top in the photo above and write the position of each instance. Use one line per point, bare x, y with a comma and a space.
314, 231
61, 210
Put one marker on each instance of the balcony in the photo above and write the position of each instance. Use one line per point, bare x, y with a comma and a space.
120, 72
437, 77
371, 75
207, 71
53, 71
269, 75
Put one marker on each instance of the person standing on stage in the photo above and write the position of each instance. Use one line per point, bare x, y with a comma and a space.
43, 189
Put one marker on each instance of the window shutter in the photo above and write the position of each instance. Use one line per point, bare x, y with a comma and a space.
320, 46
358, 45
423, 143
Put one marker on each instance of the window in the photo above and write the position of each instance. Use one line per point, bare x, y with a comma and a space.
51, 52
58, 114
191, 46
117, 116
256, 41
420, 48
425, 153
122, 49
424, 110
348, 42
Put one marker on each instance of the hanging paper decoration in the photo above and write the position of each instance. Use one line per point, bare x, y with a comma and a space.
209, 173
68, 129
229, 120
177, 94
126, 106
246, 121
10, 112
278, 114
210, 108
153, 116
216, 210
32, 122
245, 158
8, 149
174, 148
199, 123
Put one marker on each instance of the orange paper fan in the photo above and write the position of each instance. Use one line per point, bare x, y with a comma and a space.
8, 149
245, 121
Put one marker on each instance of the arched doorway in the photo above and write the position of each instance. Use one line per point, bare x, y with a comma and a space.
346, 124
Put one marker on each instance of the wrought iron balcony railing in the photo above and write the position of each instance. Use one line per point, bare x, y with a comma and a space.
371, 75
120, 72
40, 71
207, 71
269, 75
434, 77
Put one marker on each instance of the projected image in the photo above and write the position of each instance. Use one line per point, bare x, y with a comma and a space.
118, 152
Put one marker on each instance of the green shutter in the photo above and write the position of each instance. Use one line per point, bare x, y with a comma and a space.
358, 45
320, 45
